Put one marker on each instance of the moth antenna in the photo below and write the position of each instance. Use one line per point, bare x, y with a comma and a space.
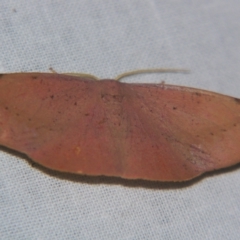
85, 75
153, 70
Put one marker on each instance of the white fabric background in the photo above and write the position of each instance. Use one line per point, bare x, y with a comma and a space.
106, 38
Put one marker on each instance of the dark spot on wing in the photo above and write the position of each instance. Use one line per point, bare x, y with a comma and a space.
1, 75
198, 94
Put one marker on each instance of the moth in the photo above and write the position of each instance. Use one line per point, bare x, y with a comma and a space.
158, 132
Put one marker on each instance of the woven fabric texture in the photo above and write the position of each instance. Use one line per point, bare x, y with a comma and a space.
106, 38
